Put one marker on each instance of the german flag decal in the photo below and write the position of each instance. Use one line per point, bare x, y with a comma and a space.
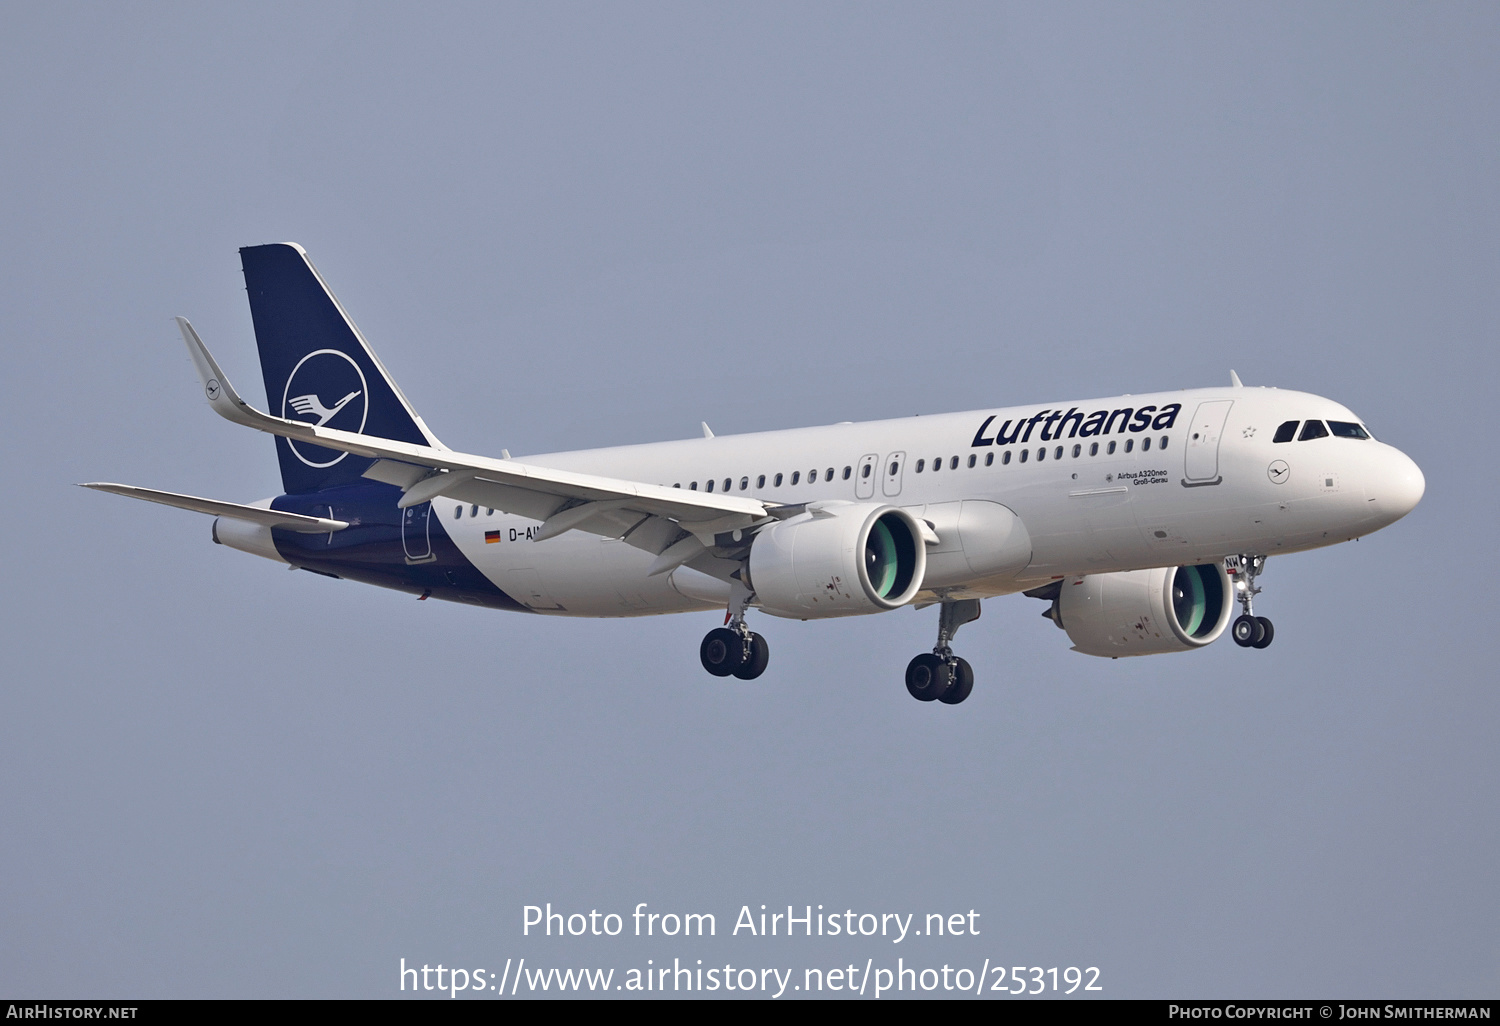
491, 537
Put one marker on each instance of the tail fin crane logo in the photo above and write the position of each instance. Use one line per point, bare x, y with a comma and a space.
325, 372
312, 406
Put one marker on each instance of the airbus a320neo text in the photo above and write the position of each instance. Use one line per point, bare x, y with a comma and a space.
1141, 520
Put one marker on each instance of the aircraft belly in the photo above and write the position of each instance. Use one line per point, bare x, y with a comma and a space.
573, 574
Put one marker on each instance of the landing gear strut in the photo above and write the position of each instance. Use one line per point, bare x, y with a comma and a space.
940, 674
734, 649
1249, 630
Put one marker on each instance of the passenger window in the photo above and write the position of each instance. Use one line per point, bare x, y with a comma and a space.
1024, 454
474, 510
1057, 453
1006, 458
1129, 444
458, 513
865, 471
489, 513
760, 482
727, 483
1041, 454
828, 474
744, 483
1163, 443
1344, 429
1077, 451
812, 476
921, 465
692, 486
954, 464
1111, 450
1146, 444
1093, 448
796, 475
937, 464
1313, 429
847, 472
972, 460
778, 480
989, 459
895, 467
709, 485
677, 485
1286, 432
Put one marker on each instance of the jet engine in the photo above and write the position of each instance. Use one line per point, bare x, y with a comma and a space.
1141, 612
838, 559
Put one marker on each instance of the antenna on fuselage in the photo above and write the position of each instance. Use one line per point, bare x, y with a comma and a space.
1234, 380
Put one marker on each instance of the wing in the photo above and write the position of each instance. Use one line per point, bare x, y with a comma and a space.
675, 524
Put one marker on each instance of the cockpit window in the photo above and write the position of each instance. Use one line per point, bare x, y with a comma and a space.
1313, 429
1287, 431
1344, 429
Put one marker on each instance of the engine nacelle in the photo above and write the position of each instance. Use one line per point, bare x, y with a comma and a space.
838, 559
1144, 612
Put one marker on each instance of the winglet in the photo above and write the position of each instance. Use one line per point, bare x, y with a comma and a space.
707, 431
1234, 380
221, 395
226, 402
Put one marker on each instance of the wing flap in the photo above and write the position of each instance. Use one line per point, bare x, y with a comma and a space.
523, 502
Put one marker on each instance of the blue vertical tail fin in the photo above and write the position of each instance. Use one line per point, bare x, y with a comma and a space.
319, 369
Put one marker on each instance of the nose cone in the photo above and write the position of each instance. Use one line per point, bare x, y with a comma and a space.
1402, 486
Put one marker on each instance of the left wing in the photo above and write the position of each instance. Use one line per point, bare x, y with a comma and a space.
675, 524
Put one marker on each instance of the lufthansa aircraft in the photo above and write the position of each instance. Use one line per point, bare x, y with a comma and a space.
1140, 519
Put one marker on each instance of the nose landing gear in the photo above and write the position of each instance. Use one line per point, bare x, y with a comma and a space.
1249, 630
940, 675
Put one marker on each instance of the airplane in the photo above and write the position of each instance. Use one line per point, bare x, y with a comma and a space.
1141, 520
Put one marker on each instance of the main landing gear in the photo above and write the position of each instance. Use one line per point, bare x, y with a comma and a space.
940, 674
729, 652
734, 649
1249, 630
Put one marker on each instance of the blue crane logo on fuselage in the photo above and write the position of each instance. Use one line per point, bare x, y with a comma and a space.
325, 389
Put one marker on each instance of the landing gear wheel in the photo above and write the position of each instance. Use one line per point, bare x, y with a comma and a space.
1247, 631
963, 683
755, 665
722, 652
928, 677
1250, 631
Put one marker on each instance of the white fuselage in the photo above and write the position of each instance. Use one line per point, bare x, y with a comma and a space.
1211, 483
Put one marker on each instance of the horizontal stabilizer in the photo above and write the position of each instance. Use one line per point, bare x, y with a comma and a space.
213, 507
